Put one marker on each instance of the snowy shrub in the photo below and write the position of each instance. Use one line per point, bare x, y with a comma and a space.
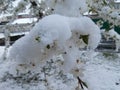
52, 36
106, 10
54, 44
114, 35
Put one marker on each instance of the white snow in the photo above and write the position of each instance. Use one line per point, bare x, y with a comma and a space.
24, 21
85, 26
16, 2
73, 8
117, 1
52, 36
57, 33
100, 73
89, 13
13, 34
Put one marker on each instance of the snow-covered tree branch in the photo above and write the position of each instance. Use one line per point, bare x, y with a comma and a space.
50, 53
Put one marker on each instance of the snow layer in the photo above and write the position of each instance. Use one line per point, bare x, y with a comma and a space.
101, 73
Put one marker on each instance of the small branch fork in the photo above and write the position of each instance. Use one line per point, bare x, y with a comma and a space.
82, 84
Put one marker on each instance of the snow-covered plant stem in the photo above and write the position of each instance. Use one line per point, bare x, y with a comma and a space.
7, 43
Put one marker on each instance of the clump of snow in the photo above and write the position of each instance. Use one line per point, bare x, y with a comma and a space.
49, 77
53, 35
85, 26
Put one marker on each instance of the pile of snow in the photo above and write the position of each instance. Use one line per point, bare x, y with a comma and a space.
52, 36
102, 72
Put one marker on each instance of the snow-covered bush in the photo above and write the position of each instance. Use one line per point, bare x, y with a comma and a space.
114, 35
52, 36
106, 10
56, 36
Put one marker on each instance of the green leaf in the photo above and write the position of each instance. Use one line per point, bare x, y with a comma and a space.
48, 46
104, 2
84, 38
37, 39
106, 25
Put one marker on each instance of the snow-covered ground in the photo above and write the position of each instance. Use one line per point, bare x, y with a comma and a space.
101, 72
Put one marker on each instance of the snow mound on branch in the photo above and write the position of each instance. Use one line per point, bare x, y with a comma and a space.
53, 27
53, 35
85, 26
35, 46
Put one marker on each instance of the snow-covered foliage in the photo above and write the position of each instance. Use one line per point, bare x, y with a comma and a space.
100, 72
106, 10
114, 35
72, 8
41, 8
52, 36
54, 44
